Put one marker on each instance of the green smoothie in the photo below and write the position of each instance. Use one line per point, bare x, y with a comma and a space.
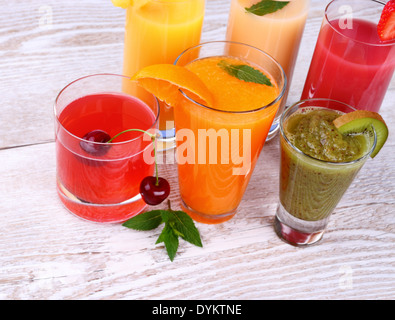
318, 163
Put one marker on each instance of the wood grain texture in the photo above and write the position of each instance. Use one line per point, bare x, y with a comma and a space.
47, 253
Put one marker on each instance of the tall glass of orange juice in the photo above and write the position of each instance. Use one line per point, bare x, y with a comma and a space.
218, 145
157, 31
277, 31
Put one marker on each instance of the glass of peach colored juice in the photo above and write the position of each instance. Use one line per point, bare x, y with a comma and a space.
279, 34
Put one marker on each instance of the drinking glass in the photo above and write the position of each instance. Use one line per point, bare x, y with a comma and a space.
278, 34
350, 62
211, 190
157, 32
310, 189
98, 181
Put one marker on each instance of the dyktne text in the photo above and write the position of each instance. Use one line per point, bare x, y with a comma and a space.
199, 309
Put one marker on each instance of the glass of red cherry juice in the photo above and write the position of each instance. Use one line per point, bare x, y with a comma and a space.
96, 180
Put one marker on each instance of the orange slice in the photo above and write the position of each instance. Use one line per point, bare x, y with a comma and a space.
166, 80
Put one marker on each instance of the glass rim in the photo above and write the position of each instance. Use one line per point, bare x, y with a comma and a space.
278, 98
140, 134
326, 18
173, 1
300, 152
169, 3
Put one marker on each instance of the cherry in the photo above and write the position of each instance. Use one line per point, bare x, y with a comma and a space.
95, 136
154, 190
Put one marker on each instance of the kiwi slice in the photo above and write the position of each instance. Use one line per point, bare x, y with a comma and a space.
361, 120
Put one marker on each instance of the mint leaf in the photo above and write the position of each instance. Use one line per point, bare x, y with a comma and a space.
145, 221
170, 239
245, 73
177, 224
167, 216
185, 226
266, 7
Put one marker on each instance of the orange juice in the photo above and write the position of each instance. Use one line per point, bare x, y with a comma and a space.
217, 148
278, 34
157, 31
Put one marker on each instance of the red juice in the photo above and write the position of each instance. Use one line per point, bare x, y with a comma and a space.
104, 187
351, 65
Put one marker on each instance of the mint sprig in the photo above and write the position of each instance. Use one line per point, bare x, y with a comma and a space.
245, 72
177, 224
266, 7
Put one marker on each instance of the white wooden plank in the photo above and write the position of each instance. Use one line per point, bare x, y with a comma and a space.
47, 253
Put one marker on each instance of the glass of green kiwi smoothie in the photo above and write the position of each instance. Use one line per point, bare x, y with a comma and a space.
318, 164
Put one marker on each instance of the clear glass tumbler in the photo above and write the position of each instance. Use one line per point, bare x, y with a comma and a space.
310, 189
157, 31
279, 34
96, 180
350, 62
213, 178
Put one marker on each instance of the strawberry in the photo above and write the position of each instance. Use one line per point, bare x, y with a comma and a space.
386, 26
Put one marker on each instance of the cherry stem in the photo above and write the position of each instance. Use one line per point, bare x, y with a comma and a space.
153, 137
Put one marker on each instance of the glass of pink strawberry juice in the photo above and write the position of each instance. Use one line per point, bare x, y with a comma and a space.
350, 62
99, 181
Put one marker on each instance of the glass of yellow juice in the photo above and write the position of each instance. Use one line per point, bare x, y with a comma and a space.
218, 145
277, 31
157, 31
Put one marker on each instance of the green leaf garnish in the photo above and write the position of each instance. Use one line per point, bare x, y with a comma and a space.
184, 224
170, 239
245, 73
146, 221
177, 224
266, 7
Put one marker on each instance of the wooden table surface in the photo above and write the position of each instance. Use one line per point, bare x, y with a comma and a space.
47, 253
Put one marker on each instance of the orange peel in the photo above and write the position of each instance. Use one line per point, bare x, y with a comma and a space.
166, 80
